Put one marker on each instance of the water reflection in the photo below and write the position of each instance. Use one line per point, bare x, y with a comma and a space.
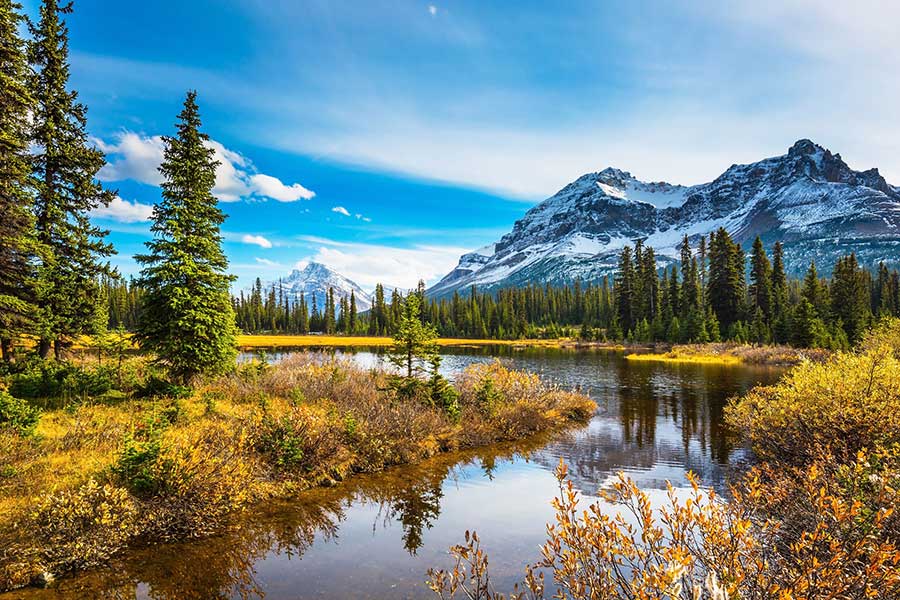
375, 536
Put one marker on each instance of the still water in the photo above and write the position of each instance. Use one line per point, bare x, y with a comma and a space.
376, 536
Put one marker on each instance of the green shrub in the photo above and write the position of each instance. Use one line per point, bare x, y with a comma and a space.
445, 397
158, 387
17, 414
138, 466
488, 397
211, 398
283, 440
60, 379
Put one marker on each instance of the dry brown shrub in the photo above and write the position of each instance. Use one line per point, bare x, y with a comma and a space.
208, 471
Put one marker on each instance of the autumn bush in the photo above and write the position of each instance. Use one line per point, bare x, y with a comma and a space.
506, 404
837, 408
698, 546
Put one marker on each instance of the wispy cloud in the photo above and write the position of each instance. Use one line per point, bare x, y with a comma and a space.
267, 262
341, 210
370, 264
137, 157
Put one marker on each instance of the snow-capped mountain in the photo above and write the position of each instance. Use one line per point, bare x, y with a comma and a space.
808, 198
314, 280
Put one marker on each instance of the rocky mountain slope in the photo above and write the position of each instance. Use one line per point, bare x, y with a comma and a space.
809, 199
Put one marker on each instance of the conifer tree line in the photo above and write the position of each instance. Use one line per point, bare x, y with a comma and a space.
716, 292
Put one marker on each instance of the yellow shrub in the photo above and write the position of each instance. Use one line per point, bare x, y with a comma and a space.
839, 407
83, 527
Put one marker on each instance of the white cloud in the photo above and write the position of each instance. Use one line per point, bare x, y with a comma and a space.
363, 218
341, 210
674, 108
266, 262
257, 240
370, 264
124, 211
137, 157
271, 187
132, 156
432, 9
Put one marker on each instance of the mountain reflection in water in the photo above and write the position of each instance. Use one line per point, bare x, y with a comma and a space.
375, 536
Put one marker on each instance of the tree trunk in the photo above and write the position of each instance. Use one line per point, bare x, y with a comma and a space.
43, 348
6, 350
57, 349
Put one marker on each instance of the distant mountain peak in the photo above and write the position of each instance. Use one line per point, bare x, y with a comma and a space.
315, 279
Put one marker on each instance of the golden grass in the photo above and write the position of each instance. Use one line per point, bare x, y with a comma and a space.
675, 357
730, 353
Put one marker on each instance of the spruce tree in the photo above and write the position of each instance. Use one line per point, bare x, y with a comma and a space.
64, 167
352, 317
187, 319
814, 292
760, 280
624, 291
303, 315
726, 278
850, 297
414, 342
17, 244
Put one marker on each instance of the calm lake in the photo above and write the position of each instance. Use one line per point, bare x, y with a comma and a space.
376, 536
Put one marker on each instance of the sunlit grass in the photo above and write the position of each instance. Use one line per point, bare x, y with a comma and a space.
674, 357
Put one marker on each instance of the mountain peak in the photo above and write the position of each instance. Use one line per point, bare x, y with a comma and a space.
809, 199
315, 279
804, 147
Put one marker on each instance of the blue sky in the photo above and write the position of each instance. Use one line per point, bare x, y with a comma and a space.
385, 138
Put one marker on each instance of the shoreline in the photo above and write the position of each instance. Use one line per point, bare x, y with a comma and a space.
714, 353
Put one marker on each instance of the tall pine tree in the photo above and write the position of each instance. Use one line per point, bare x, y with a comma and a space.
63, 174
187, 318
760, 279
17, 244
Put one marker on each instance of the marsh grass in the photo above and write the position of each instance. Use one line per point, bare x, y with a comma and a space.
99, 475
728, 353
